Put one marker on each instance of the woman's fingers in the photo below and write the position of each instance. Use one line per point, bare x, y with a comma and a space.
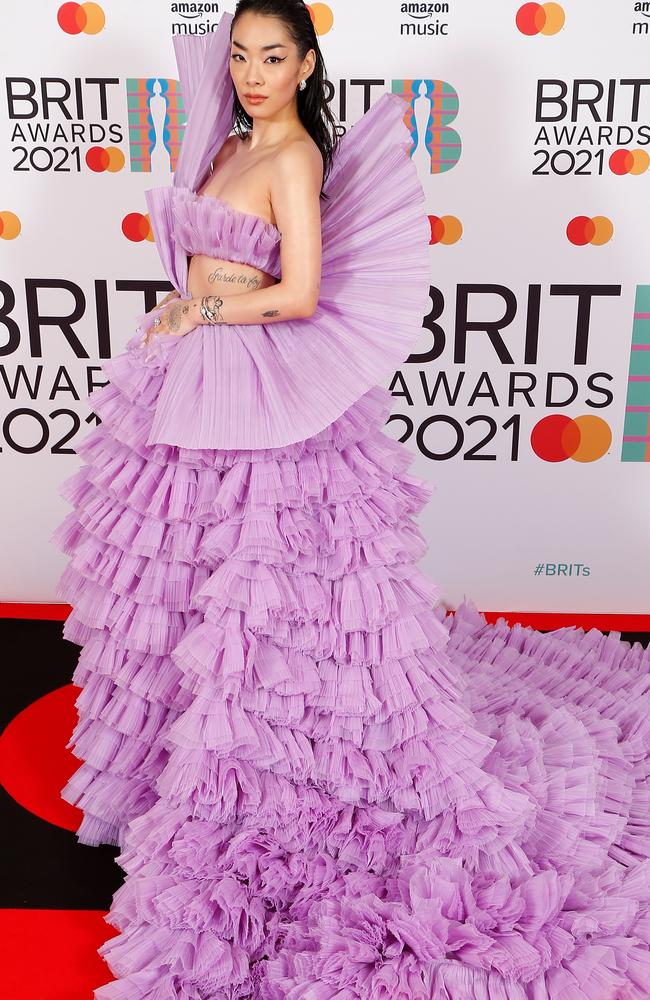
154, 328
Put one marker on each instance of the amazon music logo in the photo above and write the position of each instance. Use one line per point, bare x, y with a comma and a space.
188, 18
428, 19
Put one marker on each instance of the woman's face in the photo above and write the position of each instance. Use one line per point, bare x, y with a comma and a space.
264, 60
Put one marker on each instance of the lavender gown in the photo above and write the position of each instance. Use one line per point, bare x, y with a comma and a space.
320, 789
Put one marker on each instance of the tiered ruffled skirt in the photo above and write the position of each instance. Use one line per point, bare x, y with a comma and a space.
319, 788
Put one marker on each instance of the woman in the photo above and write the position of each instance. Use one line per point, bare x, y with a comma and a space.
319, 789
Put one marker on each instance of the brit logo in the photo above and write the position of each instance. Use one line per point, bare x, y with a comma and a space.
433, 106
156, 123
636, 431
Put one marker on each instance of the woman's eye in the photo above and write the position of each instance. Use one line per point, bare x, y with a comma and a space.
238, 56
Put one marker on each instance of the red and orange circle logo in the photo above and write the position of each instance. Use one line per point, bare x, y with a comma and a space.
629, 161
99, 159
558, 437
540, 18
136, 226
75, 18
596, 230
445, 229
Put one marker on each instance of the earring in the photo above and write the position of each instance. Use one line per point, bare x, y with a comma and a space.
302, 85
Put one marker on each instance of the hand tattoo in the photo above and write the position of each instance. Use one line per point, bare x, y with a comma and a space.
271, 312
174, 318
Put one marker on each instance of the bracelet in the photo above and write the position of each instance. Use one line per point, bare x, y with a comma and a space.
209, 308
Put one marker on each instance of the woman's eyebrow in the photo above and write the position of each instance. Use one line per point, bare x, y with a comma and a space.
276, 45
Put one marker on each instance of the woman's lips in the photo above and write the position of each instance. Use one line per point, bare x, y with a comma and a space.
254, 100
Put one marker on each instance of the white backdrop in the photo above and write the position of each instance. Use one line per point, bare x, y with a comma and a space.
514, 178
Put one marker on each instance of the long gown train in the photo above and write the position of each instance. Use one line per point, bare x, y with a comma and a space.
320, 786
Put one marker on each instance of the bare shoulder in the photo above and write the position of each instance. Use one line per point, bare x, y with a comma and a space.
299, 159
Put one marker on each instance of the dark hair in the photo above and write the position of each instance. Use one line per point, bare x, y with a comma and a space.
313, 108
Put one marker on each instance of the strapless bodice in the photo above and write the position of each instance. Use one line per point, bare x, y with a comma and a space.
208, 225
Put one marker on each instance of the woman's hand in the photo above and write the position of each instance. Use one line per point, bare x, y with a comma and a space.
176, 319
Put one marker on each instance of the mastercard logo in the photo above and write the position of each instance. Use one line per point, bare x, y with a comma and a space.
540, 18
9, 226
446, 229
99, 159
137, 227
558, 437
629, 161
583, 230
75, 18
322, 17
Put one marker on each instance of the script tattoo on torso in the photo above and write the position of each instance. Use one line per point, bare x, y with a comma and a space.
232, 277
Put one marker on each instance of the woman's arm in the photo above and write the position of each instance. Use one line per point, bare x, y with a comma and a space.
264, 305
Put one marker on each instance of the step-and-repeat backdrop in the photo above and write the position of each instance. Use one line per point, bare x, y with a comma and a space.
527, 402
